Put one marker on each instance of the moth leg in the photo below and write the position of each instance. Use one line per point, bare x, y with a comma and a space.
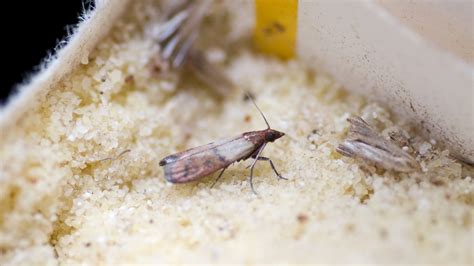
116, 157
261, 158
217, 179
253, 165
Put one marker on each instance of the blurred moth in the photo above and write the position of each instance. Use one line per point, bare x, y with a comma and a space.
192, 164
365, 144
176, 39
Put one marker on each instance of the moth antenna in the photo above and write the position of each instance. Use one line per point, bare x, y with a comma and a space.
264, 118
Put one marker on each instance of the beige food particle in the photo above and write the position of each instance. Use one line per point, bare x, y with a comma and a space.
215, 55
424, 148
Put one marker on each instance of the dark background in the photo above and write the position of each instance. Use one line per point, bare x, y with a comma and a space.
31, 30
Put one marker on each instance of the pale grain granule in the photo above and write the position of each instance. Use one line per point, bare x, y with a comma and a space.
61, 204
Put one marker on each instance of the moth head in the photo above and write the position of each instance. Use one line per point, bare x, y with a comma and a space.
271, 135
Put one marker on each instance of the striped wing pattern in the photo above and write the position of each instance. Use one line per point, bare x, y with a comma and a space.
201, 161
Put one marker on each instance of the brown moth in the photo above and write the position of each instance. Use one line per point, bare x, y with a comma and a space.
365, 144
192, 164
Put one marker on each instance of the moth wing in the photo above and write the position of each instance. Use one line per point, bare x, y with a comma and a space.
194, 151
204, 160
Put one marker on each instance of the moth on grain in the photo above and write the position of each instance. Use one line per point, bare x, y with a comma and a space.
176, 39
192, 164
367, 145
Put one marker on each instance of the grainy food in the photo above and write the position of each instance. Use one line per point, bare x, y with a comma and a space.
59, 205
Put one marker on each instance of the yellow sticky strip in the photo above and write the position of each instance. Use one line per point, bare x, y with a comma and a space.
275, 29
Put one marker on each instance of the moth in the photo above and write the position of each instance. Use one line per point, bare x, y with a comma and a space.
366, 144
192, 164
176, 39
